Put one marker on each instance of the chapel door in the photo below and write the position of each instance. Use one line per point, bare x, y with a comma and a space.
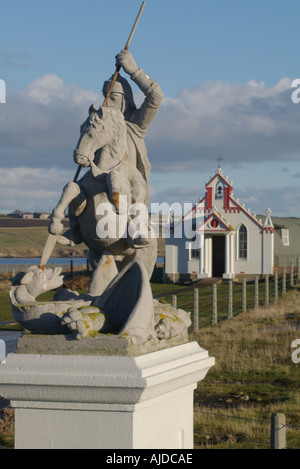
218, 256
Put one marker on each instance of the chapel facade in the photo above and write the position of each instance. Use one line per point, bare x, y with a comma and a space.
225, 238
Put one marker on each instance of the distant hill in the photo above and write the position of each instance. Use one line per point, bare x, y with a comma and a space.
6, 222
27, 237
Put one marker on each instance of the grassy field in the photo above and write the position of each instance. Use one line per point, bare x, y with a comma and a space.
29, 242
253, 377
18, 237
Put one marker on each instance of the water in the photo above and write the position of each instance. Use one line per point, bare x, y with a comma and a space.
36, 260
21, 263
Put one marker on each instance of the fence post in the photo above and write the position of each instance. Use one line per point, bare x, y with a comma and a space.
284, 281
196, 309
214, 306
229, 315
266, 290
292, 274
87, 267
174, 301
276, 287
278, 431
244, 295
71, 268
298, 270
256, 293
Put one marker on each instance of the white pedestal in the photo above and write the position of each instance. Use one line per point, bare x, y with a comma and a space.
104, 402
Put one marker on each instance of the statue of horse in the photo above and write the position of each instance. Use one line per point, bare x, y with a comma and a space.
119, 300
97, 200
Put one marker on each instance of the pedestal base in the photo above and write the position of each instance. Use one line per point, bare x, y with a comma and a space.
104, 402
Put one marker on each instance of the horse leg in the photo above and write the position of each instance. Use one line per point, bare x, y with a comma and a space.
119, 186
70, 192
103, 274
147, 255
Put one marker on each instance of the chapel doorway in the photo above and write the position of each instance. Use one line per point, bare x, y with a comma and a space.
218, 256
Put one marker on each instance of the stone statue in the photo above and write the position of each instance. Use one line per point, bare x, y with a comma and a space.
119, 300
119, 165
126, 307
137, 120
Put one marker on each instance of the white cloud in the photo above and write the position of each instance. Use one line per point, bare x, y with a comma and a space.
51, 88
39, 126
242, 122
33, 189
283, 201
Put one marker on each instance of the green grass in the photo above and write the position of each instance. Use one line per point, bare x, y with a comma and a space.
5, 308
13, 238
253, 360
28, 242
185, 299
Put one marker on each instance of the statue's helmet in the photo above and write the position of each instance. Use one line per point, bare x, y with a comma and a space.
121, 86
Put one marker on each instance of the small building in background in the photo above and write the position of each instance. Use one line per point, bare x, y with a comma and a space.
27, 215
286, 241
15, 214
41, 215
219, 238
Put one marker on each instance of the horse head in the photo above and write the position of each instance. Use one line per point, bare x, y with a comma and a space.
104, 128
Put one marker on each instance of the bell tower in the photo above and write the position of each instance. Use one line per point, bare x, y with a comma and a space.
218, 190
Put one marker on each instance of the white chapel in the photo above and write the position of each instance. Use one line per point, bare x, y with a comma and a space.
225, 240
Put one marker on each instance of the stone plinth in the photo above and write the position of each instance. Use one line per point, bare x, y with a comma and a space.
100, 344
104, 402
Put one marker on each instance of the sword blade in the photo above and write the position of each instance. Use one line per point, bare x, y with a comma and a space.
48, 249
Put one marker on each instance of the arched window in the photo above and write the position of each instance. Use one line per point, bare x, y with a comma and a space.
219, 191
243, 242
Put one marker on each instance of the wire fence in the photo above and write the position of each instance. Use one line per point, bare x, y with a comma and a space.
68, 265
215, 303
218, 302
276, 429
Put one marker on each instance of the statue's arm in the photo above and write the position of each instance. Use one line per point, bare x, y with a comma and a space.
153, 92
154, 96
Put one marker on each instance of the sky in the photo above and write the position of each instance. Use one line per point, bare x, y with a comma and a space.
226, 69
